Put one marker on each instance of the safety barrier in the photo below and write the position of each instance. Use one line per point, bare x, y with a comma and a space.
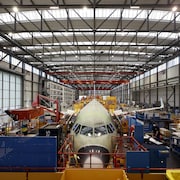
89, 174
173, 174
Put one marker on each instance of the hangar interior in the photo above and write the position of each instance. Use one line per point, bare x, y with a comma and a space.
63, 53
94, 45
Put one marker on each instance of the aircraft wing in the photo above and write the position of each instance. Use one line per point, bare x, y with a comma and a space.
120, 112
151, 109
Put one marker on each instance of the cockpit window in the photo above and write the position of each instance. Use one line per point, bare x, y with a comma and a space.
87, 131
76, 128
110, 128
99, 131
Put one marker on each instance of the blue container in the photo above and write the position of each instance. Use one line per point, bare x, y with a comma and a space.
158, 155
137, 162
32, 153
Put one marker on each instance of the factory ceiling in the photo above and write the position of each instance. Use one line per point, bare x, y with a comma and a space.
91, 43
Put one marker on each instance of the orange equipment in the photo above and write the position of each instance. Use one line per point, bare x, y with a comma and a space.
26, 113
56, 111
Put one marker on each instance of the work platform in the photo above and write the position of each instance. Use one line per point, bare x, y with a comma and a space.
89, 174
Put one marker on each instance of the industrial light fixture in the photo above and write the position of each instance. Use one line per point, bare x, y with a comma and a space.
10, 34
84, 8
54, 7
174, 8
15, 9
66, 33
134, 7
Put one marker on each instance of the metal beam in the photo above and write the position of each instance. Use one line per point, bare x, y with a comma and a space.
72, 6
93, 73
20, 47
90, 31
2, 58
95, 82
92, 88
87, 45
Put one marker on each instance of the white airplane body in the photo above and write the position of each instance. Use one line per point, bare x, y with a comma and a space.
93, 132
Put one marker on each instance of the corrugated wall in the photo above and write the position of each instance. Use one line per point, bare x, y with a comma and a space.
150, 89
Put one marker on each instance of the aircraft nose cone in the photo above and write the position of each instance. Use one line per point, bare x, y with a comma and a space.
94, 157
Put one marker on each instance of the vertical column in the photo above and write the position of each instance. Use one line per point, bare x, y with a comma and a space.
128, 95
23, 71
174, 94
139, 90
32, 85
144, 94
122, 93
157, 85
166, 85
150, 91
179, 83
10, 62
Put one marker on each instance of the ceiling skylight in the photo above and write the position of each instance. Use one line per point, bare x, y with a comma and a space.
162, 35
61, 14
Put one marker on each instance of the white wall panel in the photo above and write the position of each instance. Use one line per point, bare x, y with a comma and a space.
133, 84
146, 80
147, 86
35, 90
173, 72
137, 83
141, 82
153, 85
177, 103
153, 95
162, 93
171, 96
35, 78
162, 75
146, 96
28, 75
27, 93
27, 98
4, 65
153, 78
142, 97
27, 86
18, 69
173, 81
35, 87
161, 83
